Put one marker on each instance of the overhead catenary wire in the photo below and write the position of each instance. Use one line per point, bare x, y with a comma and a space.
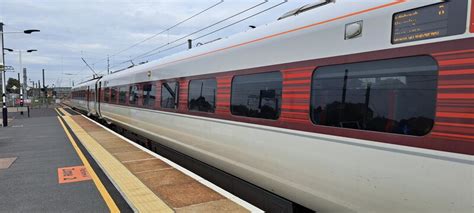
241, 20
93, 71
217, 30
197, 31
161, 32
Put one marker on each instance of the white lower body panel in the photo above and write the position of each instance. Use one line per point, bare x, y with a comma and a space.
322, 172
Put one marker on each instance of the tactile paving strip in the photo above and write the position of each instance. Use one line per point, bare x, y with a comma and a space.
180, 192
140, 197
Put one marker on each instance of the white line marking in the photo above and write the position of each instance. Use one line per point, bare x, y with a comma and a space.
198, 178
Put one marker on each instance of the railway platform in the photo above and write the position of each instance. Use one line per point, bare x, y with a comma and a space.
61, 161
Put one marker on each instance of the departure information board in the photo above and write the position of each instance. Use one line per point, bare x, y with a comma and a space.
434, 21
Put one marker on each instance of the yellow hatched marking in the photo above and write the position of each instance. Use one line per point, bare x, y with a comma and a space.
102, 190
139, 196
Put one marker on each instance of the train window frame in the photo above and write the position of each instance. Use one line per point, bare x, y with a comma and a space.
125, 101
434, 103
232, 95
176, 97
113, 95
107, 95
133, 89
153, 93
214, 106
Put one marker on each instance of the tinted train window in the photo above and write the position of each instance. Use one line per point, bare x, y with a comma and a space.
113, 95
202, 95
122, 95
257, 95
106, 95
394, 96
169, 95
133, 94
149, 94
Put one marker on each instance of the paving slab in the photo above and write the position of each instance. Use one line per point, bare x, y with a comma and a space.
177, 190
30, 184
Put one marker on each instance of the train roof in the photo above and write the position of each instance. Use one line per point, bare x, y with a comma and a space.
318, 33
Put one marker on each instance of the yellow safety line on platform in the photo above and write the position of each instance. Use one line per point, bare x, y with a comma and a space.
64, 111
139, 196
57, 111
102, 190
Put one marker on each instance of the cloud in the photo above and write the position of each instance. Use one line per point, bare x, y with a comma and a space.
38, 60
93, 29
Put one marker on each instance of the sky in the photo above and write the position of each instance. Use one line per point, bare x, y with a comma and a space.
96, 29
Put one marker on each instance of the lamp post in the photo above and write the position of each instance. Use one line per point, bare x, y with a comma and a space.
21, 68
2, 68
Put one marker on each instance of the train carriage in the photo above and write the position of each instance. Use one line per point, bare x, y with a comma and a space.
349, 107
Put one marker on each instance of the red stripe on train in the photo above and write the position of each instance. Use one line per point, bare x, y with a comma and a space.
456, 96
457, 87
299, 69
456, 62
457, 72
455, 124
455, 115
297, 75
452, 135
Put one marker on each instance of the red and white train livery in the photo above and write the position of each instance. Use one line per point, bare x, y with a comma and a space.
355, 106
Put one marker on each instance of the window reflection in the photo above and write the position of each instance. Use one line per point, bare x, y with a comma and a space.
106, 95
113, 95
257, 95
149, 91
169, 95
395, 96
133, 95
202, 95
122, 95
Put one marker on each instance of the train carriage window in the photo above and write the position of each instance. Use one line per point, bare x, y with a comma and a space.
106, 95
133, 95
202, 95
113, 95
169, 95
123, 95
393, 96
149, 94
257, 95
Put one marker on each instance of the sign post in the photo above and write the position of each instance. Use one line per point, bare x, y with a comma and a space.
2, 70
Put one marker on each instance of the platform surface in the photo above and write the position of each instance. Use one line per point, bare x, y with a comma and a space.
60, 161
31, 183
148, 182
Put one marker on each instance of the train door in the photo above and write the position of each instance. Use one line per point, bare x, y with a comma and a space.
91, 103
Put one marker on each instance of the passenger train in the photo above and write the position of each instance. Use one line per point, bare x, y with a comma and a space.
349, 106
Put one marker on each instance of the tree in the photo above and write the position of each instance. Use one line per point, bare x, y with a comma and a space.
13, 82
